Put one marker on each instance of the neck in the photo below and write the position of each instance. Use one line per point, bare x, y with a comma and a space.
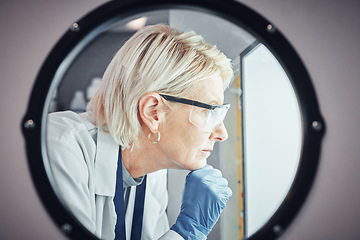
134, 163
143, 160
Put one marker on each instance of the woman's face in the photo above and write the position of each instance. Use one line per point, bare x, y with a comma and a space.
185, 145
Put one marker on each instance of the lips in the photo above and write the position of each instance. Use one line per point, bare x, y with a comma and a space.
206, 150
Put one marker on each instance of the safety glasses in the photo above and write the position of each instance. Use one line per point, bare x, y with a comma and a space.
202, 115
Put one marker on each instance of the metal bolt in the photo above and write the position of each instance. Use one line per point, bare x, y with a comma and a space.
317, 126
29, 124
75, 27
277, 229
66, 228
270, 28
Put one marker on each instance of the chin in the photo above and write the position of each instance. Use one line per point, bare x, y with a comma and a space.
200, 164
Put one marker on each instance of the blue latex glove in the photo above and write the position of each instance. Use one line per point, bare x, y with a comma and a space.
205, 195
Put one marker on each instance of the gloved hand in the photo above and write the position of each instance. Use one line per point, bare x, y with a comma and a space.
205, 195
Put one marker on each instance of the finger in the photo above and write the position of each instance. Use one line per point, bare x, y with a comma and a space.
199, 173
221, 193
214, 180
224, 192
215, 173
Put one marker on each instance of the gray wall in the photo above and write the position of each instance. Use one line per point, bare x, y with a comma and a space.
326, 36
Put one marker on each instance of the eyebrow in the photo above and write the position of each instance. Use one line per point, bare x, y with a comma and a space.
216, 102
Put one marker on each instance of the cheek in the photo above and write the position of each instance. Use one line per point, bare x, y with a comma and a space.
191, 144
191, 136
183, 141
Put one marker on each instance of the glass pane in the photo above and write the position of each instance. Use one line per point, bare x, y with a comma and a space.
272, 136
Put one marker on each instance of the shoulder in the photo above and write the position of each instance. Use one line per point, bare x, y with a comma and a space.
69, 136
62, 125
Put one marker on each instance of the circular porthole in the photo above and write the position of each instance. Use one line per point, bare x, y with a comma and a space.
272, 92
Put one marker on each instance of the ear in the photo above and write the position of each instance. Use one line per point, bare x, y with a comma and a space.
150, 109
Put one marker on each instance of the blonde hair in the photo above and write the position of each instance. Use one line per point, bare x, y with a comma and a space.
155, 59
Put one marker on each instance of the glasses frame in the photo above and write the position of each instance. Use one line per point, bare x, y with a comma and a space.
194, 103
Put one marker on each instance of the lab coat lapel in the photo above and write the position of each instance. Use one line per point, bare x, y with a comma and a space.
105, 164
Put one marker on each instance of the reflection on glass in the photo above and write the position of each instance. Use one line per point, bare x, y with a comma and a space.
271, 132
272, 136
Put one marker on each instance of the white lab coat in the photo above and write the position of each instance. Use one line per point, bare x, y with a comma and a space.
83, 161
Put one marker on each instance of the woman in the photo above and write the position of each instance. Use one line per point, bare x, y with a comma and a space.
160, 106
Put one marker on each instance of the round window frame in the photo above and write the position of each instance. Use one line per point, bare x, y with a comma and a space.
82, 31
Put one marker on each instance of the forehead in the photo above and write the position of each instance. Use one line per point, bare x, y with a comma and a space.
210, 90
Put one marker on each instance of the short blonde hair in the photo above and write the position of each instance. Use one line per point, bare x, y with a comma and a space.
155, 59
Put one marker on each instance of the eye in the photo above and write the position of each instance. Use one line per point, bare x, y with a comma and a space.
209, 114
201, 111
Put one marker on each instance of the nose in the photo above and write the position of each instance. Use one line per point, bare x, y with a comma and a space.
219, 134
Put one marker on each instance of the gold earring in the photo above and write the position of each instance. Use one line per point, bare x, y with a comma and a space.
157, 140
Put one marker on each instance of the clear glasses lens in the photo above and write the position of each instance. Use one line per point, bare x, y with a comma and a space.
207, 119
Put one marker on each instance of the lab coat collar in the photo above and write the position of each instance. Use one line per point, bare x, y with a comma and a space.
105, 166
106, 163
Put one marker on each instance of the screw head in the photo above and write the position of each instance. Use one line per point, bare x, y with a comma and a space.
277, 229
75, 27
316, 125
270, 28
66, 228
29, 124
